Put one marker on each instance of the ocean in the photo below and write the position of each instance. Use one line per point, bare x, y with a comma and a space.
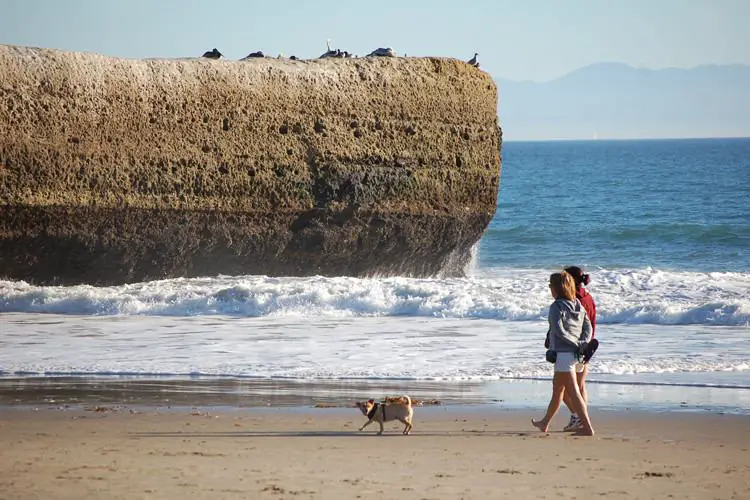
662, 226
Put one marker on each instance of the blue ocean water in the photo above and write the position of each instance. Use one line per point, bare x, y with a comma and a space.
667, 204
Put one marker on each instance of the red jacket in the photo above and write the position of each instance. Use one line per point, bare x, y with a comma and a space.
587, 301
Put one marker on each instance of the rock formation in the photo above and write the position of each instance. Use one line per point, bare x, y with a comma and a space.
115, 171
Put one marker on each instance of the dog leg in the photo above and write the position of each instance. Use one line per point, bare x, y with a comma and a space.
366, 424
381, 429
408, 427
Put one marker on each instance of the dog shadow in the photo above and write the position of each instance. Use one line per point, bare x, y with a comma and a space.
333, 434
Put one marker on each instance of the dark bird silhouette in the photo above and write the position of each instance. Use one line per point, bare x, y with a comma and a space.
253, 55
212, 54
329, 52
334, 52
473, 61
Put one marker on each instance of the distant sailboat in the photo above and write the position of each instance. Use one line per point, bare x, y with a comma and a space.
596, 136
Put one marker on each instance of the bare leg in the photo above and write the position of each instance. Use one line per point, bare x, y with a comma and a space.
579, 405
581, 378
560, 381
568, 401
582, 383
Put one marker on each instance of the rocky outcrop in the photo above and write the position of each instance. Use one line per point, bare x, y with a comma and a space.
116, 171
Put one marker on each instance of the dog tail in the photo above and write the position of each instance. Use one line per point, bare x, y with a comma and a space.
408, 400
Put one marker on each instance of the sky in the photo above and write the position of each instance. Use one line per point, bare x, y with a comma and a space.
537, 40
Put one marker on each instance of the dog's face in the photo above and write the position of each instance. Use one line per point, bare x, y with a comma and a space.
365, 406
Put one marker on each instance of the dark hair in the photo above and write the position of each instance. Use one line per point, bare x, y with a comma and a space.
578, 275
563, 285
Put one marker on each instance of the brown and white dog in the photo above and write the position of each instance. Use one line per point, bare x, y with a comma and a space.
385, 412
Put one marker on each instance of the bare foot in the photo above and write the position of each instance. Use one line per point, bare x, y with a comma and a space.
539, 424
583, 432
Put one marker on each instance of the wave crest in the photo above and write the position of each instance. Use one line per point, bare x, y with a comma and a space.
644, 296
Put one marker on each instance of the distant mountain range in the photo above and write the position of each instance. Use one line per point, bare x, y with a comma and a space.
612, 100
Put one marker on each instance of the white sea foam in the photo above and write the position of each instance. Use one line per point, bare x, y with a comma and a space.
643, 296
484, 327
355, 348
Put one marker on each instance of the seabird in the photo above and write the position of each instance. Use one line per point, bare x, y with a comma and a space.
334, 52
252, 55
382, 52
328, 52
473, 61
212, 54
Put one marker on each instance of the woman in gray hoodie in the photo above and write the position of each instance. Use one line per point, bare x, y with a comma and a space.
569, 330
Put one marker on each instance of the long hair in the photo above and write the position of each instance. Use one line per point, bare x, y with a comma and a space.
563, 285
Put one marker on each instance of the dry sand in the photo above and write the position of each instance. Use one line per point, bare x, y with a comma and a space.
455, 452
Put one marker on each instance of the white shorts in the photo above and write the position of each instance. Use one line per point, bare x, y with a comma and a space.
568, 362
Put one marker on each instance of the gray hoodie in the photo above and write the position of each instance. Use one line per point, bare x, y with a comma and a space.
569, 325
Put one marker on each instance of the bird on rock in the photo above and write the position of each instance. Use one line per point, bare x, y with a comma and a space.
253, 55
329, 52
473, 61
212, 54
334, 52
382, 52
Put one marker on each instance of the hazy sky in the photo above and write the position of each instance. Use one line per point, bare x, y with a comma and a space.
516, 39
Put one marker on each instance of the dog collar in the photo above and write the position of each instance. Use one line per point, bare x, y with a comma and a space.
374, 410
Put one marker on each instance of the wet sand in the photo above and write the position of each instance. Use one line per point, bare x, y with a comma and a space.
471, 452
75, 391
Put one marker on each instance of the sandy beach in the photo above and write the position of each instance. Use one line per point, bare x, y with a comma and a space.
455, 452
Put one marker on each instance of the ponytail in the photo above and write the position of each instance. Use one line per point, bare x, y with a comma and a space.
578, 275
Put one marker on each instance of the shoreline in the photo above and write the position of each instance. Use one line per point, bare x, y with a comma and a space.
220, 392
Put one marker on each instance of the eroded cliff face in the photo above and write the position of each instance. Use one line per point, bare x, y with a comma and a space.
116, 171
